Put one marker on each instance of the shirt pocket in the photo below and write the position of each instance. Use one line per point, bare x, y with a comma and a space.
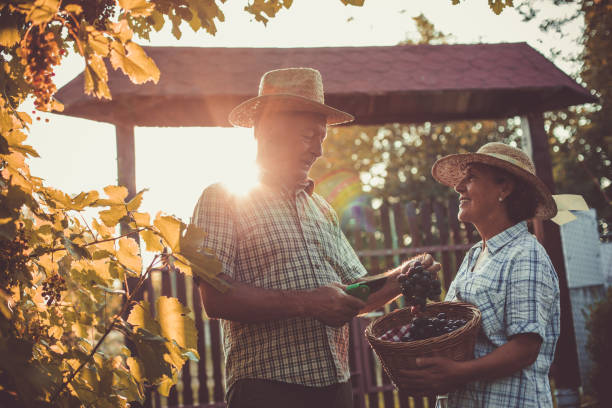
491, 304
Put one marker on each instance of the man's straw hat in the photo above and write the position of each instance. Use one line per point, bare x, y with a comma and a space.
286, 90
450, 170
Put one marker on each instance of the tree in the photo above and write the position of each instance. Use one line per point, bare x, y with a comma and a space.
581, 136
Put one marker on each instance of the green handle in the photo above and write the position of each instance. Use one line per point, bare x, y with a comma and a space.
359, 290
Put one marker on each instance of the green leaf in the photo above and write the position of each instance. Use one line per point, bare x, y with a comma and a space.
134, 62
175, 323
137, 7
42, 11
170, 229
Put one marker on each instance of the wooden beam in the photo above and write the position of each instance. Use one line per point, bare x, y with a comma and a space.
126, 158
565, 366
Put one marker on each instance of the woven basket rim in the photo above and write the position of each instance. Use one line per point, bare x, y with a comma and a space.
474, 321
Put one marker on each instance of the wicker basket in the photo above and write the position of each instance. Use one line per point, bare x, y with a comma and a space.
457, 345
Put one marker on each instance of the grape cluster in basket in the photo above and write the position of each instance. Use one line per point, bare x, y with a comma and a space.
425, 327
417, 285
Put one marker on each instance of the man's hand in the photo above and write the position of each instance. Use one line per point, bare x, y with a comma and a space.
426, 260
433, 375
331, 305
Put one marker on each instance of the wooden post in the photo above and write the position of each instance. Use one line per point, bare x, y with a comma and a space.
126, 158
565, 366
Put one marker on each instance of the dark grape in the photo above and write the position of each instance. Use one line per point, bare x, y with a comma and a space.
421, 328
417, 286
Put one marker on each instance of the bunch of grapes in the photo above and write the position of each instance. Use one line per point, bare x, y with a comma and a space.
422, 328
13, 260
39, 53
53, 288
418, 285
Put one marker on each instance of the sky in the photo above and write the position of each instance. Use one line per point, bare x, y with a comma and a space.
176, 164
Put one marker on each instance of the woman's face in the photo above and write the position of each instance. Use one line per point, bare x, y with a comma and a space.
479, 195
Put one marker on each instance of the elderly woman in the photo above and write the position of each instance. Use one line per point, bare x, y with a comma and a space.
508, 276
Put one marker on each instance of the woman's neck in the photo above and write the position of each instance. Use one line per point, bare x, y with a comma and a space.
492, 226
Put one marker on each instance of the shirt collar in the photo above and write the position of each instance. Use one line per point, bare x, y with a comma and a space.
498, 241
276, 182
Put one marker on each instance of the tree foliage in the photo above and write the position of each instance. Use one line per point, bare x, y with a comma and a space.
63, 273
394, 161
598, 345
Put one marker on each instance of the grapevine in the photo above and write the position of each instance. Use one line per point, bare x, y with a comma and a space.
39, 53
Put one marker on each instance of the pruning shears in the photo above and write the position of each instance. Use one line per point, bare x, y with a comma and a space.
362, 289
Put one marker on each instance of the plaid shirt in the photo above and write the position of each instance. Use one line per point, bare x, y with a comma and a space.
517, 291
280, 239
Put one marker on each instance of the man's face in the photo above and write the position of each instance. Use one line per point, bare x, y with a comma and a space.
288, 143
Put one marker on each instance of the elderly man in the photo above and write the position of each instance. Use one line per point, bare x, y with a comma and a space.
282, 250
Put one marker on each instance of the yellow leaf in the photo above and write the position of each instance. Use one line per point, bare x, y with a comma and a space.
133, 61
136, 201
42, 11
102, 229
136, 368
99, 43
111, 217
128, 254
137, 7
140, 316
116, 194
152, 241
141, 219
174, 322
96, 77
122, 31
9, 34
74, 8
170, 229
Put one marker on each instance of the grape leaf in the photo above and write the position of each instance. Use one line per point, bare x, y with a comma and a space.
96, 78
152, 241
42, 11
137, 7
175, 323
170, 230
134, 62
141, 219
9, 34
128, 254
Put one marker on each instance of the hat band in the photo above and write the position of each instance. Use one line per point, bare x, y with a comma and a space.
510, 160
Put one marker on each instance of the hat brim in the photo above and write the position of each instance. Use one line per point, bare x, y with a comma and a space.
450, 170
244, 114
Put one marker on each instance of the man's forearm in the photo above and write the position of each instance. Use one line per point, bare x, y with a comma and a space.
249, 304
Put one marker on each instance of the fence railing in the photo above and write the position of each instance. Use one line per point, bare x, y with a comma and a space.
382, 238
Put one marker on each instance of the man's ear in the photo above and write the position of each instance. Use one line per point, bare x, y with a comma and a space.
508, 187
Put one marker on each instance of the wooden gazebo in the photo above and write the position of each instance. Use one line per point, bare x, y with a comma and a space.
378, 85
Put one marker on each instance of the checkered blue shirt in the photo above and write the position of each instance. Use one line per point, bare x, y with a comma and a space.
517, 291
277, 238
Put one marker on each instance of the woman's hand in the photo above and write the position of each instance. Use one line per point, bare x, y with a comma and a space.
433, 375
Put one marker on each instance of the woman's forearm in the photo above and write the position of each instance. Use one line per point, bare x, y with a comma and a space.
520, 352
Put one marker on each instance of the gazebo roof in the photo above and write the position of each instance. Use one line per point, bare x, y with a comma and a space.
407, 83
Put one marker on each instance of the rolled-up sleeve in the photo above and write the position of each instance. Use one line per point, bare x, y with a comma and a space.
213, 213
530, 294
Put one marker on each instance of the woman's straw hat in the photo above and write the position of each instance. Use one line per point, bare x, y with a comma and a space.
289, 89
450, 170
